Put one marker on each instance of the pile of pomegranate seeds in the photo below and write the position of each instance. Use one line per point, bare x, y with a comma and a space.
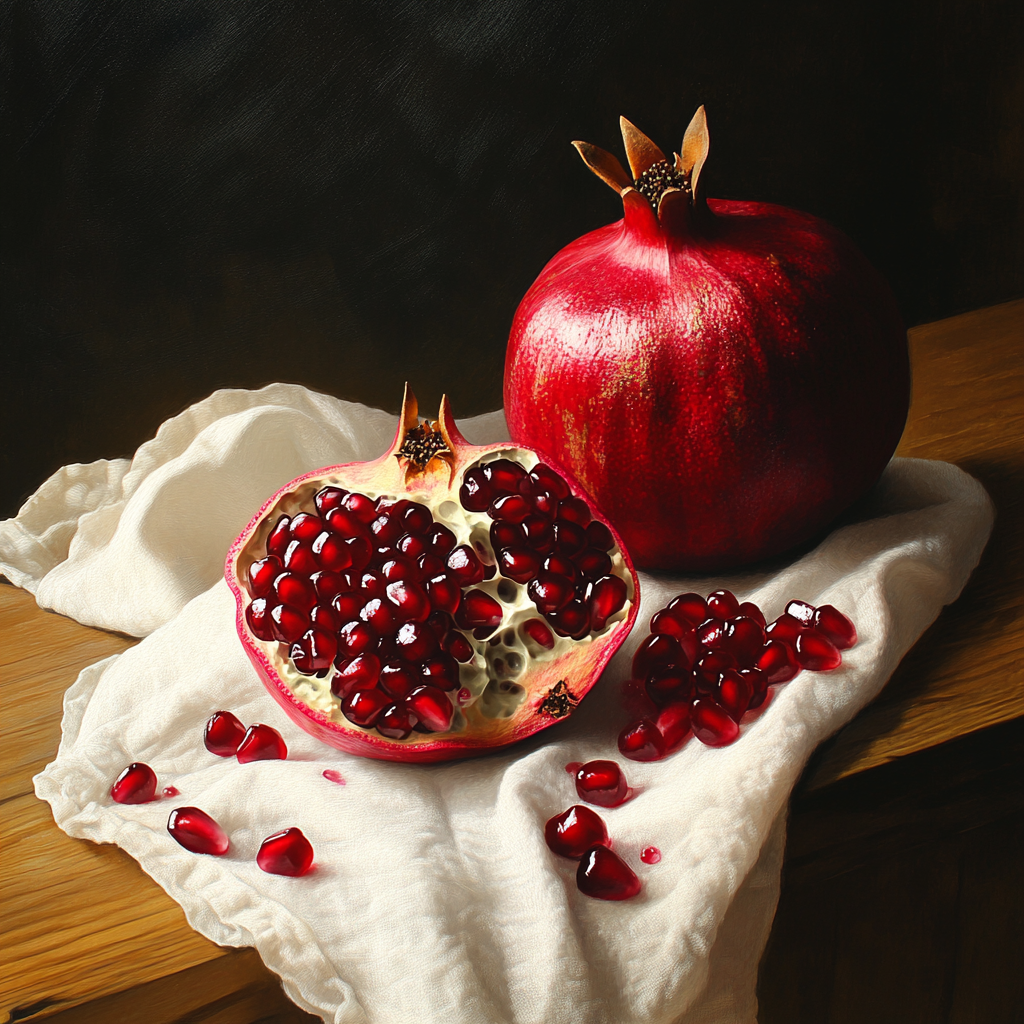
380, 599
706, 663
581, 834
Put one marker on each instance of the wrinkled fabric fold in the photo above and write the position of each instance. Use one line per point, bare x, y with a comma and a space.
434, 897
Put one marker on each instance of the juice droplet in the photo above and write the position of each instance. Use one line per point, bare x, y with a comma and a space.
171, 791
573, 767
332, 776
651, 855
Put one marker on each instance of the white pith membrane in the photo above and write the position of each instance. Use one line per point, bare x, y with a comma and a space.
490, 683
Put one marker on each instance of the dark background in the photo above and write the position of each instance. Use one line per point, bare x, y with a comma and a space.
200, 194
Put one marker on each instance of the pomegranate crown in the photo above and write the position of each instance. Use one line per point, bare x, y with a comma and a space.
666, 186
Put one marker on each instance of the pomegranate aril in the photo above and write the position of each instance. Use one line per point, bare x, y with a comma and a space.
257, 615
784, 628
299, 557
431, 707
543, 477
572, 619
512, 508
459, 647
603, 876
801, 611
223, 734
262, 575
346, 524
135, 785
416, 518
536, 631
361, 507
197, 831
569, 537
642, 741
279, 537
478, 610
347, 606
328, 585
504, 476
444, 593
734, 693
561, 565
745, 640
573, 832
657, 650
440, 540
325, 617
476, 492
507, 534
539, 534
397, 677
751, 611
261, 743
519, 564
778, 662
689, 609
328, 498
412, 545
414, 641
711, 633
287, 623
361, 551
607, 598
314, 651
665, 622
386, 530
715, 662
712, 724
546, 505
816, 652
396, 722
673, 723
306, 527
372, 584
430, 566
574, 510
602, 783
758, 686
550, 592
722, 604
331, 551
410, 599
599, 536
355, 638
665, 685
440, 670
593, 563
834, 625
364, 707
285, 853
295, 591
465, 566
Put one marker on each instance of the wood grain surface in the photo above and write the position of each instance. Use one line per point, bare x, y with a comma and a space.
86, 936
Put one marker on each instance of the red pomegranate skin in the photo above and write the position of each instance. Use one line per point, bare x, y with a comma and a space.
724, 381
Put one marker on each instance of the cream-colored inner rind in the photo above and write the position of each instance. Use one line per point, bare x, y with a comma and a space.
491, 680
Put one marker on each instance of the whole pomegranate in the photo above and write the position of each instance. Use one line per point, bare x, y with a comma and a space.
724, 378
440, 601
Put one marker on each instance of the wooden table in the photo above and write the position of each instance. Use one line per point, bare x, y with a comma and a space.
88, 937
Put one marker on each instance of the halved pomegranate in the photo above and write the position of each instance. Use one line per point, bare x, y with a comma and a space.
437, 602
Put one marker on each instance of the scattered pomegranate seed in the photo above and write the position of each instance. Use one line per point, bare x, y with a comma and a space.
431, 707
285, 853
603, 876
816, 652
651, 855
573, 832
135, 785
197, 831
602, 783
673, 723
261, 743
712, 724
723, 605
223, 734
834, 625
642, 741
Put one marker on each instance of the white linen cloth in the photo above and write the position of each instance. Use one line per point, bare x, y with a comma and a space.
435, 898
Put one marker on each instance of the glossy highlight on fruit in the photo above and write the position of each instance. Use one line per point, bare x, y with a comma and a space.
602, 875
135, 785
602, 783
437, 602
261, 743
223, 734
197, 831
573, 832
287, 852
724, 378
